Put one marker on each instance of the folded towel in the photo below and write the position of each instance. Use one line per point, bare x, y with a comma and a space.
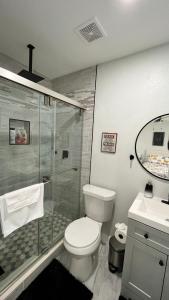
21, 198
20, 207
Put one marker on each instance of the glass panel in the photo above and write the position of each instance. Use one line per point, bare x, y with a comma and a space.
66, 167
19, 161
46, 160
32, 153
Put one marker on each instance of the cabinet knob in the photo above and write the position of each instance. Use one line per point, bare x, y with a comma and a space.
161, 263
146, 235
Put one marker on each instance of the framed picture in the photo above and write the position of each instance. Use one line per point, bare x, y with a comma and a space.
19, 132
158, 138
108, 142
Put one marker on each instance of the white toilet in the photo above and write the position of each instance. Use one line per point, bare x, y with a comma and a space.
82, 236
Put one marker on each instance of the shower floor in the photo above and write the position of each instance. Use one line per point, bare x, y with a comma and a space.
22, 245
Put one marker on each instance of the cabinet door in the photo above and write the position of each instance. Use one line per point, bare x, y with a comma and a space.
165, 294
144, 269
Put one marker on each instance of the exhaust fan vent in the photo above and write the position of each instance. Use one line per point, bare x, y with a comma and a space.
91, 30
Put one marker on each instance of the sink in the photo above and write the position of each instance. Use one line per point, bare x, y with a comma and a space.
150, 211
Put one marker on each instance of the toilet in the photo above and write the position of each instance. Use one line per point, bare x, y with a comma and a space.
83, 236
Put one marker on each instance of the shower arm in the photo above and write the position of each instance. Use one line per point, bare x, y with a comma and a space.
30, 47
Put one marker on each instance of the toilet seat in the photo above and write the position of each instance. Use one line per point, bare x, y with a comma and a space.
82, 236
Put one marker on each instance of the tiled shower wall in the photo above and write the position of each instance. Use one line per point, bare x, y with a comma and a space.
80, 86
67, 170
22, 165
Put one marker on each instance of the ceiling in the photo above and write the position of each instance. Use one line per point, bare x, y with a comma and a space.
131, 26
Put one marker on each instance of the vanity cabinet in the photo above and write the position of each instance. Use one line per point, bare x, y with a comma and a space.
146, 264
165, 294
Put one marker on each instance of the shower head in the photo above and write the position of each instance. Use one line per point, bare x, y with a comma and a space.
28, 74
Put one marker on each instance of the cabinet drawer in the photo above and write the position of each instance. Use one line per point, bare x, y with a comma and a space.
149, 236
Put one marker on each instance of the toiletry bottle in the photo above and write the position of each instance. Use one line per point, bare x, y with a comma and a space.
148, 192
12, 136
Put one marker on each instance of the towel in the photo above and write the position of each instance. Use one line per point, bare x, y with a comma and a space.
21, 207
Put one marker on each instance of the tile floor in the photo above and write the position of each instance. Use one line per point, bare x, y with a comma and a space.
22, 245
104, 284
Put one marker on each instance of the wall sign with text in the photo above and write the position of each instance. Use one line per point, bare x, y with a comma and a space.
108, 142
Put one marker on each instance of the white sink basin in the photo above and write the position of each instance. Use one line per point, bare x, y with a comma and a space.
150, 211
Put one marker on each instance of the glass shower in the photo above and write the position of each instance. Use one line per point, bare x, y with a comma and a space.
50, 152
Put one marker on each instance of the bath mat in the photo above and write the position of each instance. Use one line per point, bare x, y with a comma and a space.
56, 283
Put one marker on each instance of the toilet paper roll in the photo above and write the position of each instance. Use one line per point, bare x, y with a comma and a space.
121, 236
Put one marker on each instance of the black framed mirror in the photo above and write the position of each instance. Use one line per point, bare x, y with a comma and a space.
152, 147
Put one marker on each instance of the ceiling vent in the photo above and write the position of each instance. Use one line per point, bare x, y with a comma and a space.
91, 30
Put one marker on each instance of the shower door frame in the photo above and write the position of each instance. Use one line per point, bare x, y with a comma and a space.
39, 88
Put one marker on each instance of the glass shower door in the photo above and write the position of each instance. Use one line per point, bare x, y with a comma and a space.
19, 162
40, 141
66, 167
60, 167
47, 107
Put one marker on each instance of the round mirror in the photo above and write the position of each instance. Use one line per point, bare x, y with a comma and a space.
152, 147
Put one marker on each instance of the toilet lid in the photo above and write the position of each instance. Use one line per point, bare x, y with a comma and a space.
82, 232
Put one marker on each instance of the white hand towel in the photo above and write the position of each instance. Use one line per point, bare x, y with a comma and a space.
21, 207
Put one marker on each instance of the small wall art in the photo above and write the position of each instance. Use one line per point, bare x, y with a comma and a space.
108, 142
19, 132
158, 138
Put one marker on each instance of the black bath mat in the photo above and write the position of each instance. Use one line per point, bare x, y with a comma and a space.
56, 283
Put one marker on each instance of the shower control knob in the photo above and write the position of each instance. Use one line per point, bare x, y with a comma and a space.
146, 235
161, 263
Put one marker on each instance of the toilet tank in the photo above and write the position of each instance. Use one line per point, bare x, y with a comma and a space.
98, 202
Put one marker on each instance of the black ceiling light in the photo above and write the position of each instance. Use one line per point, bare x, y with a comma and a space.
28, 74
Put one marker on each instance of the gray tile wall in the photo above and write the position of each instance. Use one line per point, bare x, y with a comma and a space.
80, 86
20, 163
66, 172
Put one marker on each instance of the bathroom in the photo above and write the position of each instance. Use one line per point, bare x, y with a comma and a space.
114, 84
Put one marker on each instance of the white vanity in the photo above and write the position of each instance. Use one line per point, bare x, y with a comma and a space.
146, 264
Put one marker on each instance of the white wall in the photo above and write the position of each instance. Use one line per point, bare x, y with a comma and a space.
129, 92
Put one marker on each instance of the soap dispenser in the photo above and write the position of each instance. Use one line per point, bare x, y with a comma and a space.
148, 192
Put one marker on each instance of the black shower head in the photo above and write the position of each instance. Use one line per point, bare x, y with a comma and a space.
31, 76
28, 74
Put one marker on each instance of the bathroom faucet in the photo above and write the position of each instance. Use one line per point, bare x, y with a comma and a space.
166, 201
